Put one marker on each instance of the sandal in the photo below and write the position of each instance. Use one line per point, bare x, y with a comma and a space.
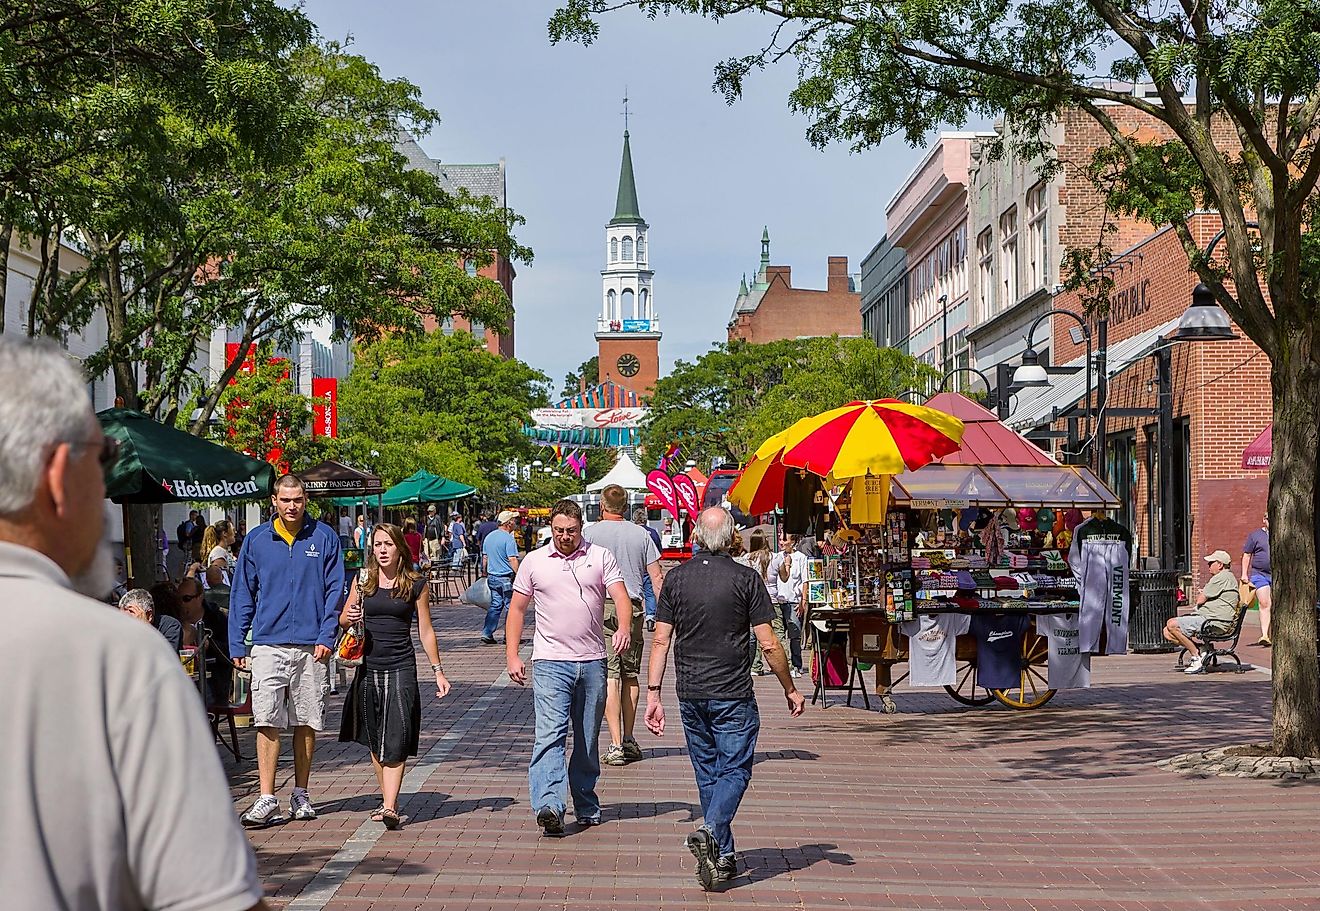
391, 818
378, 814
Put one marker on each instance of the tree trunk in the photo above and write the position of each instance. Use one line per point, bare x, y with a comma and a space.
1296, 385
116, 324
141, 521
6, 232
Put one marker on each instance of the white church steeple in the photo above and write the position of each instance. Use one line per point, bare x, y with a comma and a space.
626, 293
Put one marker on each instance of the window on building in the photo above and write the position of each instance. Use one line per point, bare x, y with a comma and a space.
478, 330
611, 304
614, 249
1008, 255
643, 296
627, 301
1038, 237
985, 271
641, 246
447, 327
627, 250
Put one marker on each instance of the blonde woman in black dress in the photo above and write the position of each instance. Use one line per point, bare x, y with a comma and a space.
383, 711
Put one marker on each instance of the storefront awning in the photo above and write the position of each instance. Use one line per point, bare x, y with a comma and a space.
1066, 391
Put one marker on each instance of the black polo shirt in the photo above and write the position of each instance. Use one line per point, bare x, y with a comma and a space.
711, 602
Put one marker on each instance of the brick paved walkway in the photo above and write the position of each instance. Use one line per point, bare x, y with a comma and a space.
939, 806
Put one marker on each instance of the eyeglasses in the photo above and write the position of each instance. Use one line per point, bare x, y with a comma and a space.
109, 453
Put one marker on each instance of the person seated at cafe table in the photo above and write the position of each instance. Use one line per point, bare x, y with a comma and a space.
139, 603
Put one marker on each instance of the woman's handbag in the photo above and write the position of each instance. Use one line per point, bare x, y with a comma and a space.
351, 645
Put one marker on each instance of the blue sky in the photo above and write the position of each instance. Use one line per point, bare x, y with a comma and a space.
709, 175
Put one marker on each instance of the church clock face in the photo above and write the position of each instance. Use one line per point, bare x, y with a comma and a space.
628, 364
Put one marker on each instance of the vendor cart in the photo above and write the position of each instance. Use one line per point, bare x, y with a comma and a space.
892, 575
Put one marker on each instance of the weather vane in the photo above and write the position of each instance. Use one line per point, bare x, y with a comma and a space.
625, 108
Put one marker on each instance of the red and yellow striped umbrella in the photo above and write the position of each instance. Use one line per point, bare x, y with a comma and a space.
760, 487
883, 437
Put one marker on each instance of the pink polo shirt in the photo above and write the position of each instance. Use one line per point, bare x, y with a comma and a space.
568, 594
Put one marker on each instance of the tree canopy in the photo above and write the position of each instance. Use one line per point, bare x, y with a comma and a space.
727, 402
439, 402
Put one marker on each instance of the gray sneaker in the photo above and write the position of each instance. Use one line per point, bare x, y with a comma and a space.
302, 807
702, 845
265, 812
726, 868
614, 756
632, 750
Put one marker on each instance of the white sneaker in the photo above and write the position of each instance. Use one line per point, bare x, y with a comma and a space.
302, 807
1196, 666
265, 812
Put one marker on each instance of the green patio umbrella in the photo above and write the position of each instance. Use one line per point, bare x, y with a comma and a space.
425, 487
159, 464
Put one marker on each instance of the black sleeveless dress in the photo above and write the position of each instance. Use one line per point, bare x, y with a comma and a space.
383, 710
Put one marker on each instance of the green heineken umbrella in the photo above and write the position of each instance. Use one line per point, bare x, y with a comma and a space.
424, 487
159, 464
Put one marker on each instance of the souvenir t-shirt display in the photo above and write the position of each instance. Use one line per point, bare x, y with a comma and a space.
1099, 557
999, 649
931, 640
1068, 667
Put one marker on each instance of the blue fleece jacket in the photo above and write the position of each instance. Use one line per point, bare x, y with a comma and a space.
286, 595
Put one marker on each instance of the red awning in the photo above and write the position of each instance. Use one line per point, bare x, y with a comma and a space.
985, 440
1257, 454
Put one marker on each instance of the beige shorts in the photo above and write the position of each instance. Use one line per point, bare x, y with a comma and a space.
629, 664
289, 687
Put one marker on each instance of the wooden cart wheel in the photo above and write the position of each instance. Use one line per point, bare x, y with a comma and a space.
888, 706
967, 690
1033, 690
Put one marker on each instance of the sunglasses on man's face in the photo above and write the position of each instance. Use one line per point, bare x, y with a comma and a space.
109, 450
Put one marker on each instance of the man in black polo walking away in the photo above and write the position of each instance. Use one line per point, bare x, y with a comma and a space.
705, 608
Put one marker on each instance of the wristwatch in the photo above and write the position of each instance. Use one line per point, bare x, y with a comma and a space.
438, 666
652, 689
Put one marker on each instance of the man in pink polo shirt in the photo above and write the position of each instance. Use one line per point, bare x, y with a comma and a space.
568, 580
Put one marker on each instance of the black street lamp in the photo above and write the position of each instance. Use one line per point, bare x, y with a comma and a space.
1033, 373
1002, 404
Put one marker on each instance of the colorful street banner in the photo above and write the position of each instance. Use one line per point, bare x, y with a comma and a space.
685, 492
660, 484
325, 407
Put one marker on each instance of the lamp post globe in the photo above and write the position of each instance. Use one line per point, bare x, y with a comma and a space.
1031, 373
1204, 320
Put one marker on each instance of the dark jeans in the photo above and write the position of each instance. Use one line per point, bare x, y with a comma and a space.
792, 631
721, 741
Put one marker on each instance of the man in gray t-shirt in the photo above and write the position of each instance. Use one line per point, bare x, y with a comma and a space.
637, 556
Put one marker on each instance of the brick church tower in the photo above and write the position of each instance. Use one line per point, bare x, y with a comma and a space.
628, 332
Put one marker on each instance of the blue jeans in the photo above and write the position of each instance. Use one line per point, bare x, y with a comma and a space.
648, 595
721, 741
567, 693
501, 590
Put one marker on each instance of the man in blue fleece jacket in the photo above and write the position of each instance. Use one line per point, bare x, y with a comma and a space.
287, 589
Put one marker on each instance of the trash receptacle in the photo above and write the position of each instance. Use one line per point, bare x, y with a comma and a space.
1153, 602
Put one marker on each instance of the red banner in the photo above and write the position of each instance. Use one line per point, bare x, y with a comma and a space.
658, 483
325, 407
685, 492
274, 455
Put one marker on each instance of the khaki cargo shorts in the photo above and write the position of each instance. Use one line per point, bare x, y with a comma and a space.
289, 687
629, 664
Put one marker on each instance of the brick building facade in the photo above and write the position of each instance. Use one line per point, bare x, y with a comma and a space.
1221, 402
772, 309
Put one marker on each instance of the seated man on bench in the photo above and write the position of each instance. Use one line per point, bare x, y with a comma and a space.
1217, 603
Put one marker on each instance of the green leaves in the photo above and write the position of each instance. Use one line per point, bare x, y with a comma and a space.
735, 396
439, 402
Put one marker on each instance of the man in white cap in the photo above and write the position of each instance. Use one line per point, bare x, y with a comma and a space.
1217, 603
499, 561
